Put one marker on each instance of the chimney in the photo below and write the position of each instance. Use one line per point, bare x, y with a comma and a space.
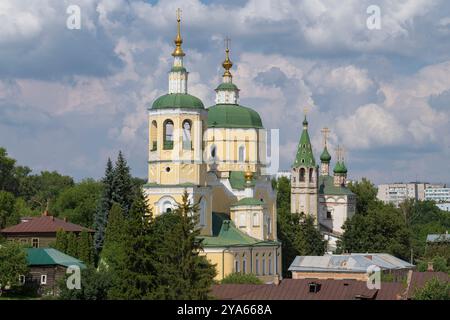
369, 257
430, 267
65, 219
45, 213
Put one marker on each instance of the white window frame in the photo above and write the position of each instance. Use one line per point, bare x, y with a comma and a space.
242, 220
32, 242
22, 279
43, 279
237, 265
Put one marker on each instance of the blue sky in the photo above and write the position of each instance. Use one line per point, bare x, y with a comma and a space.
71, 98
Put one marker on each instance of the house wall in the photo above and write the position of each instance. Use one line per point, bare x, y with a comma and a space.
329, 275
44, 240
53, 273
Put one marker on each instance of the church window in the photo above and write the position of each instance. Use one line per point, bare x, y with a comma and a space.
241, 154
269, 225
213, 152
168, 134
263, 266
329, 215
302, 174
167, 169
236, 265
244, 265
257, 265
187, 140
255, 219
153, 135
311, 174
202, 212
242, 220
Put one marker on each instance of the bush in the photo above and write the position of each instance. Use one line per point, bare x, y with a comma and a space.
240, 278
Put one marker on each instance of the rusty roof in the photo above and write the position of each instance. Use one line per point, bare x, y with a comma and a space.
419, 279
299, 289
43, 224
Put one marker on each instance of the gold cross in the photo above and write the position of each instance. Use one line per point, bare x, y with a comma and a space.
227, 43
325, 131
338, 152
306, 111
178, 14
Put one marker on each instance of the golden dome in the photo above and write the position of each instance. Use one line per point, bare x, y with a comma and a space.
178, 52
248, 175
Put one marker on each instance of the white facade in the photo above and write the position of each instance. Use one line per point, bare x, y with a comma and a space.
437, 194
444, 206
396, 193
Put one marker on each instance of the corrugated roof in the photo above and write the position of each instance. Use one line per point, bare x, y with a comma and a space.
50, 256
43, 224
355, 262
438, 237
298, 289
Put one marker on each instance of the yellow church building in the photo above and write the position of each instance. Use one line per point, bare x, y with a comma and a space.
217, 155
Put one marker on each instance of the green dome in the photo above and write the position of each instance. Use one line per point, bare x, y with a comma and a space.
325, 156
339, 168
233, 116
178, 100
227, 86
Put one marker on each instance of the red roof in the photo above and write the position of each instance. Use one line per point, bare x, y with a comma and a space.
299, 289
419, 279
43, 224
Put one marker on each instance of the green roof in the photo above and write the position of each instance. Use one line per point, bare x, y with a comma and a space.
156, 185
305, 156
225, 234
325, 156
248, 202
178, 69
340, 168
50, 256
178, 100
237, 180
327, 187
227, 86
233, 116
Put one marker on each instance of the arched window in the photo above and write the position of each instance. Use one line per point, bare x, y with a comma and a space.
168, 134
241, 154
187, 140
236, 264
302, 175
255, 219
244, 265
202, 212
166, 204
167, 207
257, 265
311, 174
153, 135
270, 264
264, 266
213, 152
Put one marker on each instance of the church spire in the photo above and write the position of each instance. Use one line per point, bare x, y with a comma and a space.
178, 76
325, 157
227, 92
305, 156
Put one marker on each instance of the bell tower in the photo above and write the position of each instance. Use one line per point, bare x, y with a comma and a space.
304, 177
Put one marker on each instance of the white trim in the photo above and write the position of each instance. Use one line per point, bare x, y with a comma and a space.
43, 279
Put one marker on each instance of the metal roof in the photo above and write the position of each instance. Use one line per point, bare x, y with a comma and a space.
355, 262
50, 256
43, 224
438, 237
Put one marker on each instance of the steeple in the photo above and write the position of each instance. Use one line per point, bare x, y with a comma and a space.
325, 157
178, 76
340, 170
305, 156
227, 92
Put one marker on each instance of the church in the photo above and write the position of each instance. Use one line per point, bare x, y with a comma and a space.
217, 154
316, 193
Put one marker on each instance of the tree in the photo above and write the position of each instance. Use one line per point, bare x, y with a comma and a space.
72, 244
79, 203
113, 253
433, 290
123, 190
381, 229
61, 242
103, 207
366, 194
7, 202
182, 272
240, 278
94, 286
133, 275
85, 248
8, 181
13, 263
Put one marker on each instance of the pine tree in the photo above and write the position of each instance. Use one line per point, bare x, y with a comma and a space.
104, 206
123, 191
85, 253
61, 241
113, 250
182, 272
134, 274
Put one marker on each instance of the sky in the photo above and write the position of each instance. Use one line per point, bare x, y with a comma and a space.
71, 98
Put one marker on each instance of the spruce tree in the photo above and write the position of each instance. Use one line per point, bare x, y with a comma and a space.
123, 191
103, 208
134, 274
85, 253
72, 244
61, 241
182, 272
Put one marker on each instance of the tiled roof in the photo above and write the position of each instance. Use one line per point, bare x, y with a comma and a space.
299, 289
225, 234
50, 256
355, 262
43, 224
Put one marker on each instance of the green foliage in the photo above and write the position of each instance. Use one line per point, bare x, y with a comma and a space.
78, 203
80, 247
85, 248
439, 263
72, 244
7, 202
433, 290
123, 188
61, 242
103, 207
182, 272
13, 263
94, 286
240, 278
366, 195
381, 229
